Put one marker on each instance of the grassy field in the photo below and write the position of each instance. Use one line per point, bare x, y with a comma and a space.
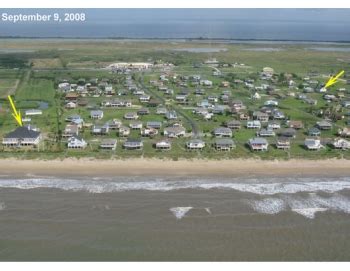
36, 89
7, 87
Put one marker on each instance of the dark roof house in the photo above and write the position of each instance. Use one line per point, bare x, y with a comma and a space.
22, 136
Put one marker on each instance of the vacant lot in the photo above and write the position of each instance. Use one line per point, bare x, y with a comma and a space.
7, 87
46, 63
36, 89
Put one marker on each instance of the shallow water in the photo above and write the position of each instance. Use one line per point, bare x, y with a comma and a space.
174, 219
330, 49
264, 49
201, 50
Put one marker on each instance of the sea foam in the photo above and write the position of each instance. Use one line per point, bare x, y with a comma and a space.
276, 195
305, 206
180, 212
256, 186
268, 205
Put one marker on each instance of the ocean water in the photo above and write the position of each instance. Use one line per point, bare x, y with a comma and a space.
174, 219
256, 24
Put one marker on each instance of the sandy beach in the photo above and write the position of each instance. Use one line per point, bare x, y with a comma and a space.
139, 167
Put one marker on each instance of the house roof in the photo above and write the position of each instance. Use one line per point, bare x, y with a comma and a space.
324, 123
266, 131
224, 141
108, 141
222, 130
314, 130
163, 142
234, 122
96, 112
288, 131
22, 132
283, 139
298, 123
133, 140
130, 114
311, 141
195, 141
177, 129
76, 137
72, 127
258, 140
260, 114
72, 95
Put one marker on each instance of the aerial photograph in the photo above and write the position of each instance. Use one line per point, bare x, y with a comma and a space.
175, 135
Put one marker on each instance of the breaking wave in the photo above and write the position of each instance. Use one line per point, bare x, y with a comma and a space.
303, 196
180, 212
269, 186
305, 206
268, 205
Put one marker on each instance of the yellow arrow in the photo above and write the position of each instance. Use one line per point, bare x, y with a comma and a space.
333, 79
15, 114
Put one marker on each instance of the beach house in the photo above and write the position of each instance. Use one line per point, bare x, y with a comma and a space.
283, 143
144, 98
123, 131
172, 132
341, 143
76, 142
114, 124
195, 144
296, 124
96, 114
312, 144
171, 115
163, 145
273, 125
344, 132
100, 129
223, 144
143, 111
324, 125
222, 132
134, 125
233, 124
154, 124
261, 116
108, 144
313, 131
289, 132
149, 132
253, 124
75, 119
258, 144
131, 116
133, 144
70, 130
22, 136
265, 132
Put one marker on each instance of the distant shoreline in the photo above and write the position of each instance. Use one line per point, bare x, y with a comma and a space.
157, 167
184, 39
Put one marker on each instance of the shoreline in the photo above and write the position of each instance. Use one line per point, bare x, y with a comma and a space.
156, 167
184, 40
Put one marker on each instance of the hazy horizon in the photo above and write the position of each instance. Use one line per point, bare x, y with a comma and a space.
273, 24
